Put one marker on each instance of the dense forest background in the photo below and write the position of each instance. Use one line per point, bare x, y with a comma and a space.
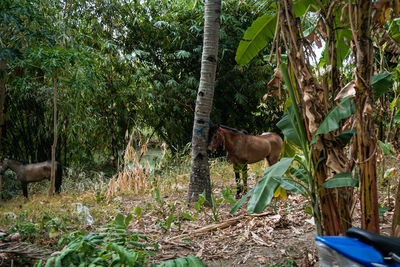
121, 68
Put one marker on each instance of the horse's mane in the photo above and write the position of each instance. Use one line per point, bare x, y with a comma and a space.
234, 129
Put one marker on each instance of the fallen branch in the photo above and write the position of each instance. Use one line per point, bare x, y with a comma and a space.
25, 249
222, 225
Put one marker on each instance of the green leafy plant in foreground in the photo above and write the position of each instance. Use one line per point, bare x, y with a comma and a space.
284, 263
189, 261
24, 227
166, 210
114, 246
199, 205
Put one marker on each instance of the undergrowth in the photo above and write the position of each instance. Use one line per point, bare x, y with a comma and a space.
58, 224
83, 234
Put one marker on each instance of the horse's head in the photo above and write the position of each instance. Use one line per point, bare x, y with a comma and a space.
214, 137
4, 165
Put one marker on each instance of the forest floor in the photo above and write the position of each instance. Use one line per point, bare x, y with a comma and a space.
283, 234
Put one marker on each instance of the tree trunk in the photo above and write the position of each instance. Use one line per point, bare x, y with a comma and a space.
344, 195
200, 173
53, 148
366, 133
396, 216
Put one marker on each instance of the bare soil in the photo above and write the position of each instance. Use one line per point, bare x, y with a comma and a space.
241, 239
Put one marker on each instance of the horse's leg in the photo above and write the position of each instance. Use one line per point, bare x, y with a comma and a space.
24, 189
244, 177
236, 169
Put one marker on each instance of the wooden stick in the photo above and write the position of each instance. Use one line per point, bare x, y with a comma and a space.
222, 225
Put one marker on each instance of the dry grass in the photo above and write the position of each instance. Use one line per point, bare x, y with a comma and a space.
132, 178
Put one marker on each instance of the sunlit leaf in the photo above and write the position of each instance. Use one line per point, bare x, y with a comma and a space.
256, 38
280, 192
390, 173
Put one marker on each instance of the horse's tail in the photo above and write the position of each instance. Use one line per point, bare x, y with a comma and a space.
58, 179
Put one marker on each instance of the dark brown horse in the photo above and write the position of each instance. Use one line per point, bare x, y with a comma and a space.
243, 149
34, 172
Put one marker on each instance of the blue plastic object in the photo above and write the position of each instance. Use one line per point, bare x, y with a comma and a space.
353, 249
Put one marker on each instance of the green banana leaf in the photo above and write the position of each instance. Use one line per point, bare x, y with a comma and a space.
189, 261
289, 126
262, 31
256, 38
264, 191
381, 83
291, 185
331, 121
341, 179
241, 201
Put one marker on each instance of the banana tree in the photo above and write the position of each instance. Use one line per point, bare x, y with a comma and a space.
315, 94
301, 177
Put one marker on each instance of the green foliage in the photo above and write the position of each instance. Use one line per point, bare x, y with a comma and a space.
228, 196
167, 212
289, 128
120, 65
386, 147
189, 261
24, 227
341, 179
332, 119
284, 263
264, 191
52, 225
256, 38
215, 205
381, 83
114, 246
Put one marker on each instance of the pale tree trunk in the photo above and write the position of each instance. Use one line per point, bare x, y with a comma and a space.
366, 133
53, 148
313, 99
200, 173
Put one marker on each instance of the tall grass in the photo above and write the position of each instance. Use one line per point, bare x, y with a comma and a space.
133, 176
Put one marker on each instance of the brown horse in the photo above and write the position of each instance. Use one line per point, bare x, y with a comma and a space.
34, 172
243, 149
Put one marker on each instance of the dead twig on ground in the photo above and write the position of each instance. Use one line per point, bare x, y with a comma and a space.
25, 249
213, 227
